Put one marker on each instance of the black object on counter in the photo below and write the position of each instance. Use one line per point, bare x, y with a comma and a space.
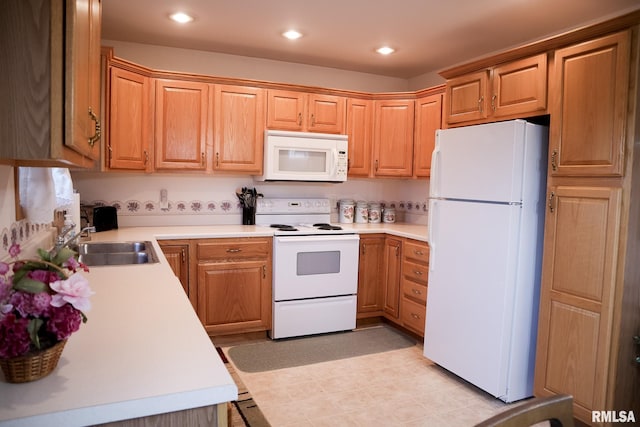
105, 218
248, 197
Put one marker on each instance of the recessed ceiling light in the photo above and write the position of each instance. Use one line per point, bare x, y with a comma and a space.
181, 17
385, 50
292, 34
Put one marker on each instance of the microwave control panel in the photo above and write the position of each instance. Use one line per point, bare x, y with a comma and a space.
342, 165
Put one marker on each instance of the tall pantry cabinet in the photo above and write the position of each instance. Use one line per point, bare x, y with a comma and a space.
590, 292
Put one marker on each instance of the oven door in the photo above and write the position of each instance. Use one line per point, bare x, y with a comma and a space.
315, 266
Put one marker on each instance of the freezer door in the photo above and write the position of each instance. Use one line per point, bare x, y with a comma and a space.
473, 277
484, 162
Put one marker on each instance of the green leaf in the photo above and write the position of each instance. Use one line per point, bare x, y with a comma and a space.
63, 255
46, 256
33, 327
27, 284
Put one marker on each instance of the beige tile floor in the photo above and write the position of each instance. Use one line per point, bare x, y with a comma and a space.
395, 388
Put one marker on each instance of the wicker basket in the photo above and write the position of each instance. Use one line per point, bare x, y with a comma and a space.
33, 366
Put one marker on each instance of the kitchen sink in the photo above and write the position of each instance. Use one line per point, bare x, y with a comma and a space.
116, 253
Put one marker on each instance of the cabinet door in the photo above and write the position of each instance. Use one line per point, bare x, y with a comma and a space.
285, 110
181, 111
359, 131
326, 113
576, 299
428, 120
465, 98
519, 87
239, 128
370, 273
393, 138
588, 107
82, 77
234, 296
178, 258
130, 121
391, 277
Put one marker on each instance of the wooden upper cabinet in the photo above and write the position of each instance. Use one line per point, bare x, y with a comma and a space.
308, 112
465, 98
50, 80
510, 90
588, 107
129, 121
82, 75
359, 131
428, 120
393, 138
239, 128
181, 125
576, 317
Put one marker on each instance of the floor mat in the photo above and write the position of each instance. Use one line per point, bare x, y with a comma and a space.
287, 353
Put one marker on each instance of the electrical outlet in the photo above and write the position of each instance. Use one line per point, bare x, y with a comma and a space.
164, 201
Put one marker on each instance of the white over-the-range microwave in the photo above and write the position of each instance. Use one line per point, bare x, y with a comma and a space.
304, 156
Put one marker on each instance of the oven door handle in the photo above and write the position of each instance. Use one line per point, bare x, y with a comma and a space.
317, 238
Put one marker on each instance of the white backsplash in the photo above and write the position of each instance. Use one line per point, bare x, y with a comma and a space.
208, 200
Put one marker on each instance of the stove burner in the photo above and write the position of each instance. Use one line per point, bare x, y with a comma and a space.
283, 227
324, 226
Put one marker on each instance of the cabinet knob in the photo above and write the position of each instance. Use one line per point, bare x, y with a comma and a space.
417, 272
554, 159
416, 291
234, 250
415, 316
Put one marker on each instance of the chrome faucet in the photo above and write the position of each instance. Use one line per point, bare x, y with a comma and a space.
62, 240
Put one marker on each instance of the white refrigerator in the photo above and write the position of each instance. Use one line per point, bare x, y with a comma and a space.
486, 218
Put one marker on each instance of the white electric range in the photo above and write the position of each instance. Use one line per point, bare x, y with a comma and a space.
315, 267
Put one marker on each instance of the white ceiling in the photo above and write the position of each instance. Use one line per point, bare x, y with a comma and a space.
429, 35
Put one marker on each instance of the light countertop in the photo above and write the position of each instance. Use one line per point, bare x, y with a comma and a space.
143, 350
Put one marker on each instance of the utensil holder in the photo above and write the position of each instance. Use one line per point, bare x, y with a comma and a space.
248, 215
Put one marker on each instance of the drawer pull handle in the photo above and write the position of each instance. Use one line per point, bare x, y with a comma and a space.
415, 316
419, 253
233, 251
416, 291
418, 272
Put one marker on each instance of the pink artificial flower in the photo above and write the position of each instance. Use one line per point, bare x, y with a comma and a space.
43, 276
63, 321
14, 249
4, 268
75, 291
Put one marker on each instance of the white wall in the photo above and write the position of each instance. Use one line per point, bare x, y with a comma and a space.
224, 65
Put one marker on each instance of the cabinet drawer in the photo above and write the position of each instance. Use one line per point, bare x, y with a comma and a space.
416, 291
413, 315
233, 249
417, 272
417, 251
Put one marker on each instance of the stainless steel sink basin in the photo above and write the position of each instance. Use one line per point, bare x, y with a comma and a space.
116, 253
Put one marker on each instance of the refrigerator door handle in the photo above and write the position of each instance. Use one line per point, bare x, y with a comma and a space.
435, 171
432, 222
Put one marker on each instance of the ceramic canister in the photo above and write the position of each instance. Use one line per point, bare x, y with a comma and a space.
389, 215
374, 212
346, 211
362, 212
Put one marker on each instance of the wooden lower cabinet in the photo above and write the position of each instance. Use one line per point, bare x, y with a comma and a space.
370, 271
391, 277
177, 254
234, 284
415, 274
392, 280
575, 332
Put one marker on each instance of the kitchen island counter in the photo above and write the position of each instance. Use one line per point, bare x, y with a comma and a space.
143, 351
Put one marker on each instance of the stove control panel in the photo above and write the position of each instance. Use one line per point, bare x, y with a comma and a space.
293, 206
